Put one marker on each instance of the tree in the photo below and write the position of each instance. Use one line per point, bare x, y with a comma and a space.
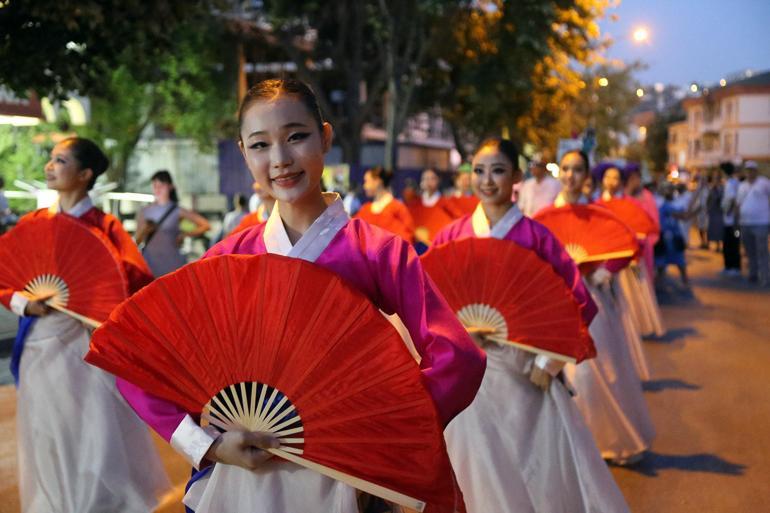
55, 47
192, 94
557, 81
333, 51
482, 68
656, 142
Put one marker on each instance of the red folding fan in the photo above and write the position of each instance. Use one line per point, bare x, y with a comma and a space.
511, 295
631, 212
463, 205
60, 258
270, 343
428, 221
589, 233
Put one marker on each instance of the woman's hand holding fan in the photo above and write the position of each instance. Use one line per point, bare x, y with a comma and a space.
277, 345
243, 448
40, 260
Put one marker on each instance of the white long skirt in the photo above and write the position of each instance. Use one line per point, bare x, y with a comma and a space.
639, 291
276, 487
634, 339
609, 392
81, 447
517, 449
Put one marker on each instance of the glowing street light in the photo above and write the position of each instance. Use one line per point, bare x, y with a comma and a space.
640, 92
603, 82
694, 88
641, 35
723, 82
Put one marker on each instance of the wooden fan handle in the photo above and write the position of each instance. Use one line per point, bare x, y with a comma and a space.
82, 318
536, 350
607, 256
480, 331
355, 482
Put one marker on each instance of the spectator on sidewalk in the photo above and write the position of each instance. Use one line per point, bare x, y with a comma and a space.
731, 242
716, 225
671, 246
540, 190
753, 199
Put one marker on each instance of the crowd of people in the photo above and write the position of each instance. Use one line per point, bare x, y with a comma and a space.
526, 429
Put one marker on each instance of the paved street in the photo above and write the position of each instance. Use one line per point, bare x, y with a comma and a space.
709, 400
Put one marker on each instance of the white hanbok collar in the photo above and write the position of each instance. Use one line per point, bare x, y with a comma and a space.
430, 200
315, 240
379, 205
481, 227
80, 208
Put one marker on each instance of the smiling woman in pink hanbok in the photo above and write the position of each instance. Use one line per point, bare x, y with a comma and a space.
609, 392
522, 446
284, 139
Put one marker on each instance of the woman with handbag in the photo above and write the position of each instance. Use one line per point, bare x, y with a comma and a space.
158, 232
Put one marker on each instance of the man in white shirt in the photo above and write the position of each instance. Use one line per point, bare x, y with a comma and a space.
539, 191
731, 245
753, 199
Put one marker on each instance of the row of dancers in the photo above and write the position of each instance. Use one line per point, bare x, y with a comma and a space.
524, 432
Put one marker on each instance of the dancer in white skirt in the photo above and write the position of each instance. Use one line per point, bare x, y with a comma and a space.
522, 446
284, 140
81, 447
609, 392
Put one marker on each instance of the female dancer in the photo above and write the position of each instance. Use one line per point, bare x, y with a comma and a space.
610, 181
283, 140
384, 210
81, 448
522, 445
158, 226
609, 392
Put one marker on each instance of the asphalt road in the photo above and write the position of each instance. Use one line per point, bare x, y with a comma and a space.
709, 396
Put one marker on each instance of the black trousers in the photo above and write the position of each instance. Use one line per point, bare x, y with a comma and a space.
731, 248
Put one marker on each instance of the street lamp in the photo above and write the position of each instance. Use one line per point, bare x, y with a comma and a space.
640, 92
641, 35
603, 82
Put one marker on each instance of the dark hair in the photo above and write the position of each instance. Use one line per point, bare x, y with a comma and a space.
583, 155
273, 88
630, 169
601, 169
89, 156
383, 174
2, 182
728, 168
164, 176
240, 200
504, 146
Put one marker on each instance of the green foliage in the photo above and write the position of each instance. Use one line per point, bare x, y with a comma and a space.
58, 46
483, 67
192, 95
23, 158
607, 109
20, 156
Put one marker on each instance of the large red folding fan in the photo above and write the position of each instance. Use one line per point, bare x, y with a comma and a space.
589, 233
512, 295
631, 212
270, 343
60, 258
429, 220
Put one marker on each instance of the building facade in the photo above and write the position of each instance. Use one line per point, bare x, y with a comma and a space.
728, 122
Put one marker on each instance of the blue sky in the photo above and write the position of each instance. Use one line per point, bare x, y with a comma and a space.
692, 40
